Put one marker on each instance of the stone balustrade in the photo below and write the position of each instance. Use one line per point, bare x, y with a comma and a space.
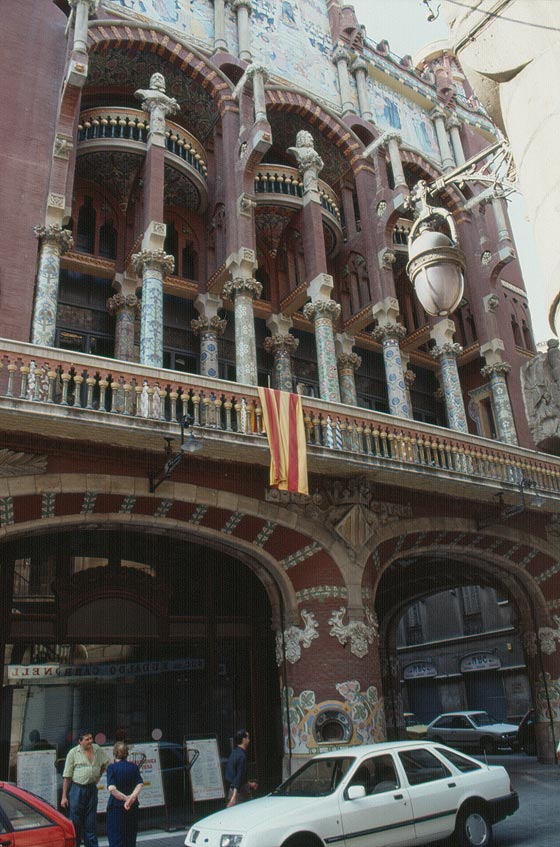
44, 377
112, 124
282, 179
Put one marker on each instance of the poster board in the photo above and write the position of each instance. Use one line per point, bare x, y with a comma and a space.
150, 768
205, 770
36, 772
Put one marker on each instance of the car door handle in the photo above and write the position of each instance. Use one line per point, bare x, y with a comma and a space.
397, 796
451, 784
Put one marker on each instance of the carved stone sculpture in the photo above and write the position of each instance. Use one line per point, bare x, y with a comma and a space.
541, 392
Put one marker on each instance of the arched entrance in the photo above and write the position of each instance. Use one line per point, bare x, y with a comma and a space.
143, 635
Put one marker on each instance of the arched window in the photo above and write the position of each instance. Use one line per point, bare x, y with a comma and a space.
516, 332
85, 241
189, 263
108, 241
527, 338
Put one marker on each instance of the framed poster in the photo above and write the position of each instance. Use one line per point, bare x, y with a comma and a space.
205, 769
36, 772
146, 756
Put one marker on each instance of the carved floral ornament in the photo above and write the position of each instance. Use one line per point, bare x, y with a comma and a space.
295, 637
54, 234
359, 634
549, 638
21, 464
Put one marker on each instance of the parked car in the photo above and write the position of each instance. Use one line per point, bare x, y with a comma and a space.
526, 734
394, 793
28, 821
474, 729
414, 729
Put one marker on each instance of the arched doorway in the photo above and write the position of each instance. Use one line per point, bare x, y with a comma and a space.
139, 634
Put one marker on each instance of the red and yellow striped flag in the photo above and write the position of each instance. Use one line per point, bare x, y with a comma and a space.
283, 422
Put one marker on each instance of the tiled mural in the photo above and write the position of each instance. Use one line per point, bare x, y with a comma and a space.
393, 111
192, 17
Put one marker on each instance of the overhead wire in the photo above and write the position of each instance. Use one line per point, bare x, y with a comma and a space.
501, 17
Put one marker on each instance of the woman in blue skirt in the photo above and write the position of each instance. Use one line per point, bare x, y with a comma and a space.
124, 783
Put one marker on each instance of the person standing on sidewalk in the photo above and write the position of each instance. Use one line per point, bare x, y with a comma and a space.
82, 770
236, 771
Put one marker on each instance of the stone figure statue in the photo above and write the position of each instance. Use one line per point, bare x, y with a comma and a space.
309, 162
157, 103
541, 392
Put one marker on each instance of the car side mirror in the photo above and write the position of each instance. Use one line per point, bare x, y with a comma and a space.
355, 792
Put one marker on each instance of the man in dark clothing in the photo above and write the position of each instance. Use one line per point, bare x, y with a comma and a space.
236, 771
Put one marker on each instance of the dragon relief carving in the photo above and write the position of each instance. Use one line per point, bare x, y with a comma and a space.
359, 634
289, 643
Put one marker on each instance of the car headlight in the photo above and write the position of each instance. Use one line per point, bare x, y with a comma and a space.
231, 840
192, 835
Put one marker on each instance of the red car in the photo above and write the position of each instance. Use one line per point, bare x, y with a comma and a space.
28, 821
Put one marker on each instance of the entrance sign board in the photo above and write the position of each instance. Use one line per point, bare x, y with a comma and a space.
36, 772
205, 769
146, 756
480, 662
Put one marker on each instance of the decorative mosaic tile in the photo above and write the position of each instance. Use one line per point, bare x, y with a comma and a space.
265, 534
6, 511
48, 503
127, 504
163, 508
198, 514
88, 504
528, 558
548, 573
300, 556
232, 522
322, 592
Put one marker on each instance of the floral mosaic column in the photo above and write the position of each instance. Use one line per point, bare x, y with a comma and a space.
348, 364
209, 328
243, 291
447, 356
501, 403
390, 334
281, 347
125, 307
54, 241
324, 313
153, 266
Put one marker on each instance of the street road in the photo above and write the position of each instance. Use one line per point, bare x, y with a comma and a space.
536, 824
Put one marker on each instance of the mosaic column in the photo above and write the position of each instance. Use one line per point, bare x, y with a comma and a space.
282, 347
341, 58
243, 8
125, 308
409, 379
243, 291
54, 242
323, 314
446, 356
348, 363
360, 70
153, 266
390, 335
389, 332
438, 117
496, 371
209, 328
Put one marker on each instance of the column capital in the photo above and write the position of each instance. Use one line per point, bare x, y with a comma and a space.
207, 305
442, 332
386, 311
409, 378
453, 121
438, 112
255, 69
238, 4
92, 5
154, 260
279, 324
496, 369
55, 234
322, 308
349, 361
340, 54
205, 324
280, 343
118, 302
358, 65
242, 285
389, 330
449, 349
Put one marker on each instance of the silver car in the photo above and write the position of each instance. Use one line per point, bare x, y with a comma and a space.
474, 729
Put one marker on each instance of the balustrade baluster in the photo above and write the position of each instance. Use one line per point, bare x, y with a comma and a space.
90, 382
218, 416
360, 438
196, 398
12, 368
24, 371
102, 394
308, 427
258, 416
368, 442
228, 406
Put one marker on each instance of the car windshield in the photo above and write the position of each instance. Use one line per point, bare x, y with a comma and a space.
482, 719
317, 778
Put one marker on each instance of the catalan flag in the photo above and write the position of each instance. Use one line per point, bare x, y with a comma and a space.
283, 422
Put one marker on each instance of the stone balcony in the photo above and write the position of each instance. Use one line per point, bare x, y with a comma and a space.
112, 133
75, 396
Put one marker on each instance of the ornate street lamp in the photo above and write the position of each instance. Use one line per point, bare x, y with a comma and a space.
436, 264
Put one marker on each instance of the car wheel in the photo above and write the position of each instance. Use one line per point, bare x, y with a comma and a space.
305, 839
473, 828
487, 745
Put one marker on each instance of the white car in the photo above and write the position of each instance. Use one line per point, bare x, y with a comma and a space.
377, 795
474, 729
